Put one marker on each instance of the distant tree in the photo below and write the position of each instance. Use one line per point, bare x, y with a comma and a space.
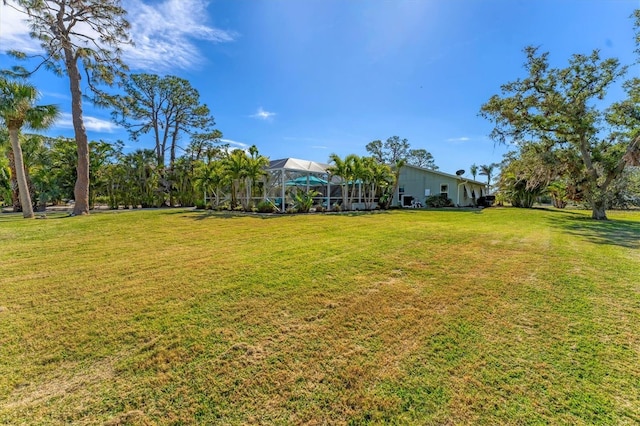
341, 169
210, 178
421, 158
235, 168
389, 152
524, 176
255, 170
627, 189
560, 107
377, 177
557, 190
168, 108
397, 153
376, 150
17, 109
76, 36
474, 171
361, 173
487, 170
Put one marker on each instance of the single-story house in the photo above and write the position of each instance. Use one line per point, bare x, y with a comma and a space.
416, 184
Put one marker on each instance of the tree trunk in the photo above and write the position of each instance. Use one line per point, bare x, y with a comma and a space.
15, 193
81, 189
598, 209
23, 188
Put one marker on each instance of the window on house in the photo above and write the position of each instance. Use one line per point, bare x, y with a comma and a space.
444, 189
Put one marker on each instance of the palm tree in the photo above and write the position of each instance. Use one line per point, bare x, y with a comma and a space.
487, 170
209, 178
356, 173
375, 176
255, 169
396, 167
17, 109
235, 169
340, 168
474, 170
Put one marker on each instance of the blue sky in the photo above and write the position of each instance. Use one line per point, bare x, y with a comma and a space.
309, 78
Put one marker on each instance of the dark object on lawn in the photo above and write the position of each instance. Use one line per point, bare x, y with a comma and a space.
486, 201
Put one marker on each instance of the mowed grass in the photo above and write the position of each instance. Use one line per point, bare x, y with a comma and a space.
500, 316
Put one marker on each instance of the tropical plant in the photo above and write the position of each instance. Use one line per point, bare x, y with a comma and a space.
17, 109
303, 200
209, 179
78, 36
487, 170
558, 192
255, 171
474, 170
340, 168
167, 107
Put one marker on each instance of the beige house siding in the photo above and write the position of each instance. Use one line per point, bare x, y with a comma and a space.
418, 184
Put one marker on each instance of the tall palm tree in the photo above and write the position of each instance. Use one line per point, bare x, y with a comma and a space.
209, 178
17, 109
356, 172
396, 167
255, 169
235, 169
340, 168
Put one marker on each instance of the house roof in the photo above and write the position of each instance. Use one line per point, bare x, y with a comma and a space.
298, 165
295, 164
445, 174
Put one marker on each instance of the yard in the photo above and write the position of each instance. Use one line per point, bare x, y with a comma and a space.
405, 317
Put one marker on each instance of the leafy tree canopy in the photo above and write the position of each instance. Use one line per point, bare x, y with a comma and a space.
560, 108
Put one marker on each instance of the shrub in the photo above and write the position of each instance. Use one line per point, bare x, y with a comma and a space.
440, 200
303, 200
265, 207
224, 206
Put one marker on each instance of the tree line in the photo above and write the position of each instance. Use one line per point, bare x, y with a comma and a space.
85, 37
206, 172
566, 140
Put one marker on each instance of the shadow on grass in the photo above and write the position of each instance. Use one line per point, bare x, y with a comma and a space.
208, 214
17, 217
202, 215
624, 233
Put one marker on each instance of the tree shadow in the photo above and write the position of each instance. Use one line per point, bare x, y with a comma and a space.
474, 210
208, 214
17, 217
623, 233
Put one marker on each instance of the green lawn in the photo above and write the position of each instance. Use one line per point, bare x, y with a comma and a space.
403, 317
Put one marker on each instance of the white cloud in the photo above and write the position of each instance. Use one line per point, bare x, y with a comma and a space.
319, 147
263, 115
90, 123
459, 140
165, 33
14, 31
235, 143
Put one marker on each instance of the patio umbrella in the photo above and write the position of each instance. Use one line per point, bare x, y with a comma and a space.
302, 181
